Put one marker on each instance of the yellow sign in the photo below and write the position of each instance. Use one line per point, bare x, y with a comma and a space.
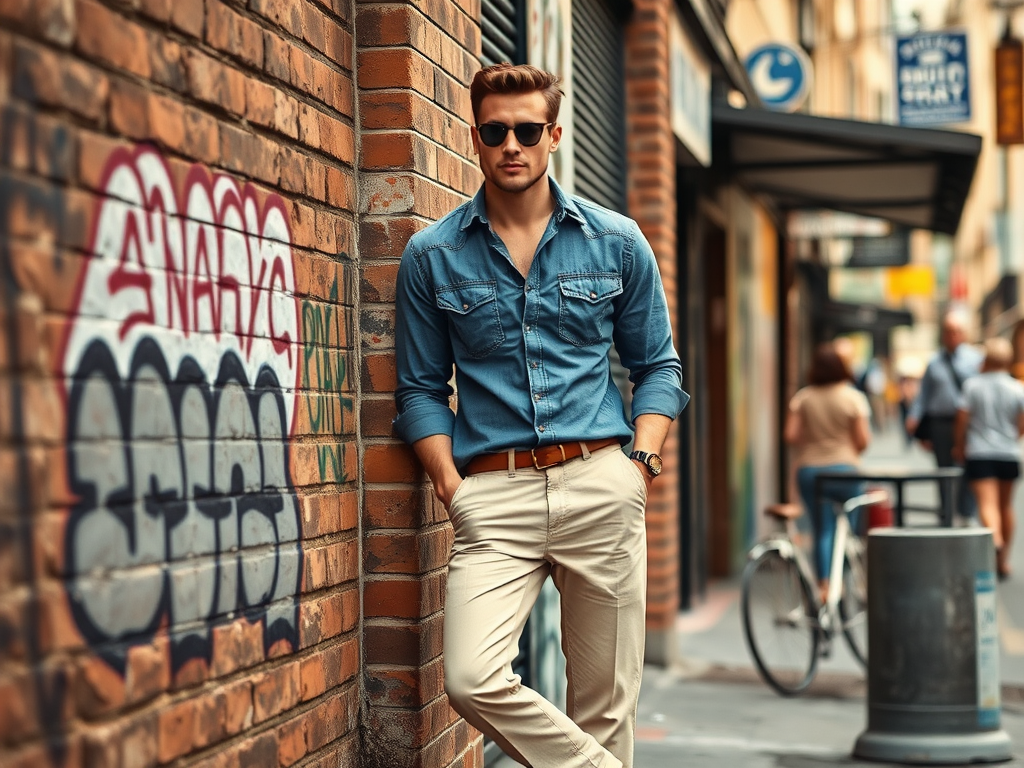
911, 280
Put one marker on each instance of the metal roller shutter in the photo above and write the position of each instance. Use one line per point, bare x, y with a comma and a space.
599, 111
501, 31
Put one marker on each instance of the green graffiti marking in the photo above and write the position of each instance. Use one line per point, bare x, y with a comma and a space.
324, 369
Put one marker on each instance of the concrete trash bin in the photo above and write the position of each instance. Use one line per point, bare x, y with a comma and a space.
933, 648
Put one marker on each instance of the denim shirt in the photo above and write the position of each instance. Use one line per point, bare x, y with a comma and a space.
530, 355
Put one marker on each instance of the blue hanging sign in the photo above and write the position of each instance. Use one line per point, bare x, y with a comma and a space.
932, 82
781, 75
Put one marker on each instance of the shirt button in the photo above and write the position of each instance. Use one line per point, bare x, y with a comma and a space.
465, 306
529, 288
536, 397
592, 295
540, 428
533, 364
526, 328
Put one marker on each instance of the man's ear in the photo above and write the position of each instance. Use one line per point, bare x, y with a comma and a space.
475, 137
556, 136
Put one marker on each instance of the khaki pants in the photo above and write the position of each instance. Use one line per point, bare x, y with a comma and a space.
582, 522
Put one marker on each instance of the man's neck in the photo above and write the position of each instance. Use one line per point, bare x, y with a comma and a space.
517, 209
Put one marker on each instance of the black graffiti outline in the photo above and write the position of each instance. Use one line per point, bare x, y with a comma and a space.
194, 641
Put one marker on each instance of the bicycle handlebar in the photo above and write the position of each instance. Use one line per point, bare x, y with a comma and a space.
865, 499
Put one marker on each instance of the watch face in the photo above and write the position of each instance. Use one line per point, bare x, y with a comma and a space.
654, 462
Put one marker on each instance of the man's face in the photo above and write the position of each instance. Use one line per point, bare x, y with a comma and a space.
511, 166
953, 335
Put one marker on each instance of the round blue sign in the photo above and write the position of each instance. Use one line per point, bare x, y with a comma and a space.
781, 75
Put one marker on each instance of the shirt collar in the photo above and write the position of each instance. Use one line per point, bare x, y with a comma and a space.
476, 209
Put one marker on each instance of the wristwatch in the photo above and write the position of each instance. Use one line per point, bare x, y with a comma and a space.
650, 460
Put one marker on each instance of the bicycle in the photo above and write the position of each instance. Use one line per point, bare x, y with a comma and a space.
786, 624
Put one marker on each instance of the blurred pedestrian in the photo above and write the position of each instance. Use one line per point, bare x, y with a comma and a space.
990, 421
827, 424
909, 386
933, 413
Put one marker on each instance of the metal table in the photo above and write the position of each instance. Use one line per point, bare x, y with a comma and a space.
944, 476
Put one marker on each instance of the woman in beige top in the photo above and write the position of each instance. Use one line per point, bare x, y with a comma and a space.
827, 424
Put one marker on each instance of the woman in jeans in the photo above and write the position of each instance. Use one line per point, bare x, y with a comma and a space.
827, 425
989, 422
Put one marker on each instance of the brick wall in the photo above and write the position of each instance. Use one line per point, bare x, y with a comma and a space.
415, 63
651, 200
200, 220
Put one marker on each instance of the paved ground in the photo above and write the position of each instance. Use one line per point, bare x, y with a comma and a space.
713, 710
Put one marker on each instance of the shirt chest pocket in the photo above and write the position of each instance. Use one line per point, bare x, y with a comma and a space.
472, 310
584, 304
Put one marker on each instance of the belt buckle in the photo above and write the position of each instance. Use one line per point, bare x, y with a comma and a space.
533, 454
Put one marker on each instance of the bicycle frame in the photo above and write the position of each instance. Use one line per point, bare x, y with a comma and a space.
785, 545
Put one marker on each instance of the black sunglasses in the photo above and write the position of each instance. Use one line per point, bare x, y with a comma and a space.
527, 134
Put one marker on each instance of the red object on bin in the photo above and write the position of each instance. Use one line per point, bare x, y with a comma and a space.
880, 514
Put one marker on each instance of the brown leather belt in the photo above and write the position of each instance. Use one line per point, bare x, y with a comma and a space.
538, 458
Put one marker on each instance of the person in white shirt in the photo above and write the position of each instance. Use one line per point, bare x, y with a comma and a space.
989, 422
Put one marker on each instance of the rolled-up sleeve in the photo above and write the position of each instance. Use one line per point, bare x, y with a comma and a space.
643, 335
423, 356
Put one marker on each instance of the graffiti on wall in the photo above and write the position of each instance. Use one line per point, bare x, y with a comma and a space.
180, 372
324, 371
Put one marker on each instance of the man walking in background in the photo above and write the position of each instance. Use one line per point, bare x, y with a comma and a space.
933, 414
524, 290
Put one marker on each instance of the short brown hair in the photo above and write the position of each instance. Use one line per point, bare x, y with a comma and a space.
827, 366
516, 78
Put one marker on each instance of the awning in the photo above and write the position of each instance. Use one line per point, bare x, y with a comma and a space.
919, 177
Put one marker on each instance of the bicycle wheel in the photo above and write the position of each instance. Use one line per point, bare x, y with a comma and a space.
778, 622
853, 602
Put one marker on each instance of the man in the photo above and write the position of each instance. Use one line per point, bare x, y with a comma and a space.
524, 289
939, 396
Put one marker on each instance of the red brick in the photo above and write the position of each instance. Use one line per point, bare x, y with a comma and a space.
166, 63
275, 691
188, 16
395, 68
129, 110
156, 9
238, 707
259, 102
19, 718
283, 13
148, 671
110, 37
203, 134
237, 645
379, 374
402, 598
390, 463
277, 56
210, 721
336, 138
409, 553
234, 34
101, 689
176, 728
40, 76
291, 740
312, 676
286, 114
338, 45
258, 752
378, 282
376, 417
167, 121
213, 82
